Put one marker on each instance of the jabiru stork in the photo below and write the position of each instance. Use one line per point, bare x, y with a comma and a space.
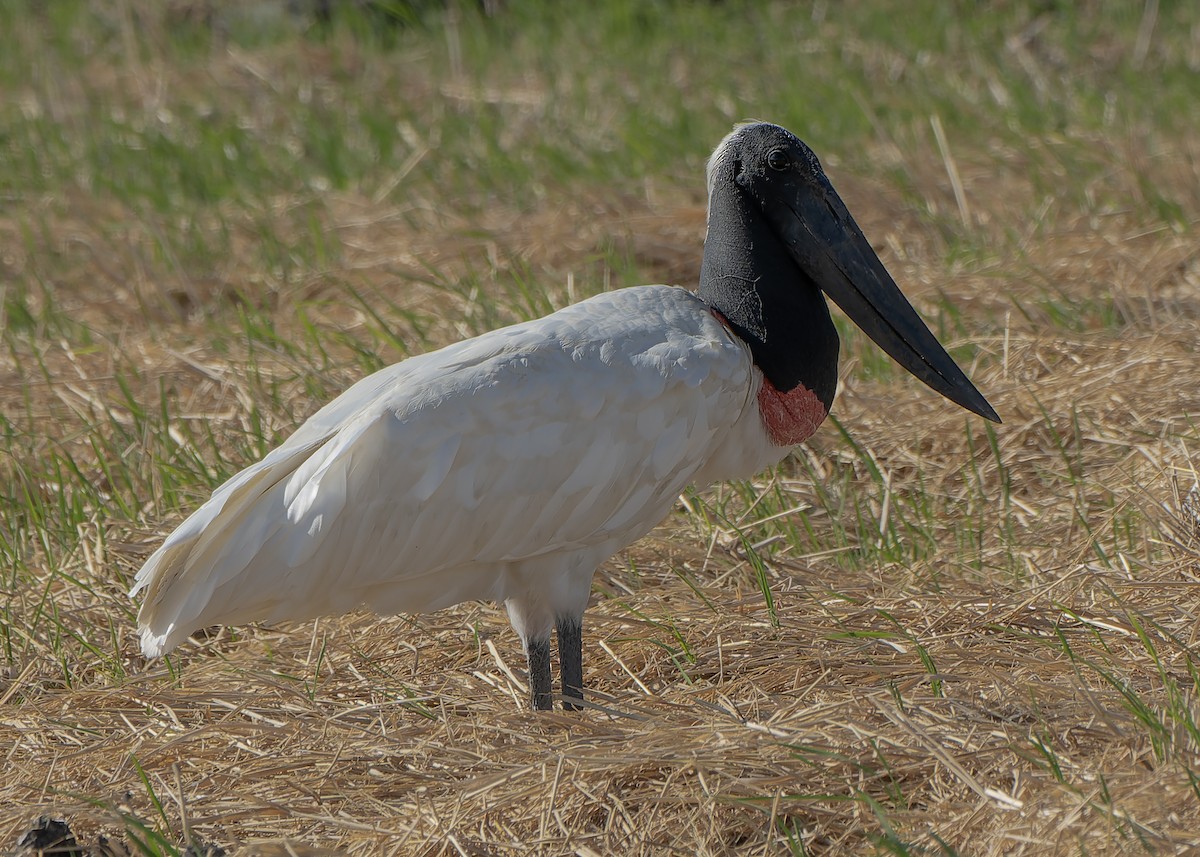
509, 466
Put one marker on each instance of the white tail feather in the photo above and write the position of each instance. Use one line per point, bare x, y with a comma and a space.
209, 548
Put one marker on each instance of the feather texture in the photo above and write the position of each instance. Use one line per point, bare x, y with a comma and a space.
506, 467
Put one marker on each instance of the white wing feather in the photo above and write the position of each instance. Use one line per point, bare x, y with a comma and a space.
470, 472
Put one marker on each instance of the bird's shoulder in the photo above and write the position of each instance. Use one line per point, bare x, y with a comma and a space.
633, 341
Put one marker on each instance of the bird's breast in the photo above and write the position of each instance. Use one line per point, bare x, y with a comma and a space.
792, 417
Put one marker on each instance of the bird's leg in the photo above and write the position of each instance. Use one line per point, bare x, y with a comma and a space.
570, 659
537, 651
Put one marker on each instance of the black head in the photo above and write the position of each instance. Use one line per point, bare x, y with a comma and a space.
763, 156
779, 236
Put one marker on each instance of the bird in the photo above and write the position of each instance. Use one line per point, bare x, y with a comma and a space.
509, 466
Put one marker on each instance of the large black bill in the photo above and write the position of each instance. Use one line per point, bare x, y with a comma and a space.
827, 243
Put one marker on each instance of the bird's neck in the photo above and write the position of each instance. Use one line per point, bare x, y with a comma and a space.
749, 277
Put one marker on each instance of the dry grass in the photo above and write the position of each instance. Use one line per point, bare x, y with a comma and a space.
978, 643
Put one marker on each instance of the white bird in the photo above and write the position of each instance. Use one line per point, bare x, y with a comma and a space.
509, 466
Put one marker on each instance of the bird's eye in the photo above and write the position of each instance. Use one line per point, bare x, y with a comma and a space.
778, 160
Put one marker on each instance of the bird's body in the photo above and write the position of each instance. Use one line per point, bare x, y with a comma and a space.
505, 467
509, 466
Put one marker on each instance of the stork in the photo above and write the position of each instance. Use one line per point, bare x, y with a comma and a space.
509, 466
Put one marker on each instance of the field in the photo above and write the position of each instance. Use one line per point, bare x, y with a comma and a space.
920, 634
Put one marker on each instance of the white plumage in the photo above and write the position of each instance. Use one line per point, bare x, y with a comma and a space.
506, 467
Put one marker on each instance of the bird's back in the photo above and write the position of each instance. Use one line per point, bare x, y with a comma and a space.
459, 474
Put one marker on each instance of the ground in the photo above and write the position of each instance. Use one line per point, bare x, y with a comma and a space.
920, 634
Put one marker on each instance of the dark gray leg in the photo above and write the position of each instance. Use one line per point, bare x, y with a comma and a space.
570, 659
541, 696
